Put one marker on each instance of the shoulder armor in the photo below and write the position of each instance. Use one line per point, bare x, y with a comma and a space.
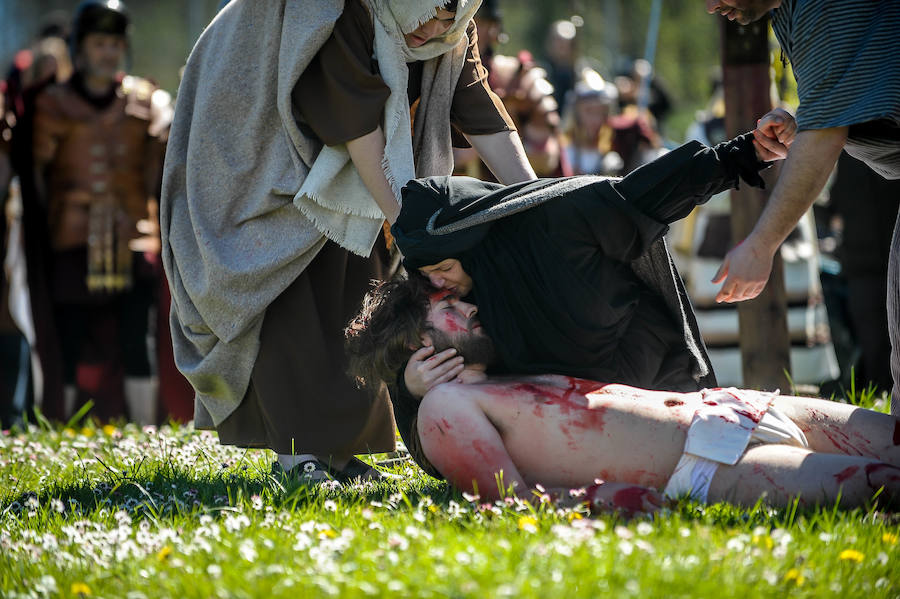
138, 87
161, 113
146, 101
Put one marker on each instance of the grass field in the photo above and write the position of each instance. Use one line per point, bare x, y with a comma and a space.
123, 512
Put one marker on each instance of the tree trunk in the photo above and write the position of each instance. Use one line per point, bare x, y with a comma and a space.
764, 340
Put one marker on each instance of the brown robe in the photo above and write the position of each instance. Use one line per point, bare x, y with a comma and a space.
300, 399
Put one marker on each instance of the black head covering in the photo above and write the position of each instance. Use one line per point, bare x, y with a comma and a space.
99, 16
443, 217
429, 201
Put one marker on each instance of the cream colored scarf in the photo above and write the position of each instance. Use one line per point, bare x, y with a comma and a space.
333, 188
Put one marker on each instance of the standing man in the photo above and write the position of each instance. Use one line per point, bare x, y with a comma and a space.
846, 58
99, 141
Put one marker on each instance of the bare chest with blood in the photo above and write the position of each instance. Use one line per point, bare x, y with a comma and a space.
564, 430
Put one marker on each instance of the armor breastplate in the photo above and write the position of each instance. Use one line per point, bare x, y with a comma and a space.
97, 161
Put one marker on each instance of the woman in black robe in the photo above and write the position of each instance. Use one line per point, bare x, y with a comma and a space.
572, 276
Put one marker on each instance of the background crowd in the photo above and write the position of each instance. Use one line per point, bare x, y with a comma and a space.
84, 304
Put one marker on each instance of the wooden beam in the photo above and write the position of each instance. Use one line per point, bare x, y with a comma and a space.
764, 339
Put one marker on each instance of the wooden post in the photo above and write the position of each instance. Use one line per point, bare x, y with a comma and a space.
764, 339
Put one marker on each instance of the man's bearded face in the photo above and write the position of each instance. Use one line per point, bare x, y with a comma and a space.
454, 324
100, 55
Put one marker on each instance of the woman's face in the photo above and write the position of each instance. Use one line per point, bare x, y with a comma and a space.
432, 28
591, 114
449, 274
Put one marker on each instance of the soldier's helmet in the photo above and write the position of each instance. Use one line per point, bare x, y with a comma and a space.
98, 16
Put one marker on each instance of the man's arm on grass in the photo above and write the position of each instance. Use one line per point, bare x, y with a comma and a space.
464, 445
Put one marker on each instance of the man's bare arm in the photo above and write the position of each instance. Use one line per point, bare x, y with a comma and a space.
505, 156
367, 153
464, 445
747, 266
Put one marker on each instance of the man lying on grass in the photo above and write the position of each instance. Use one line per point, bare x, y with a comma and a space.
562, 432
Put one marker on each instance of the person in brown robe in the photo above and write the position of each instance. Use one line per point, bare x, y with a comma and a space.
300, 402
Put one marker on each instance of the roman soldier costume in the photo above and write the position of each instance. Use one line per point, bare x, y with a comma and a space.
98, 161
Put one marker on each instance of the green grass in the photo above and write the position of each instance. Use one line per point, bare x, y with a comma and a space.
124, 512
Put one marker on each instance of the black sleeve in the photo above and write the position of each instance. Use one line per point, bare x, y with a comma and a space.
622, 218
668, 188
597, 218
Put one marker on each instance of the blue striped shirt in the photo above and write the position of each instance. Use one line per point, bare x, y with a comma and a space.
846, 59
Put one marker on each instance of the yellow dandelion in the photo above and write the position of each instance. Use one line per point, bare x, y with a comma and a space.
528, 524
794, 575
109, 430
574, 516
328, 533
851, 555
79, 588
87, 431
889, 538
432, 508
164, 553
765, 541
69, 432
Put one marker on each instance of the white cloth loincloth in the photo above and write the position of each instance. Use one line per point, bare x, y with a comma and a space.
730, 421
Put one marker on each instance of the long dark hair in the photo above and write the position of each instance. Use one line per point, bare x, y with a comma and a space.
383, 335
378, 343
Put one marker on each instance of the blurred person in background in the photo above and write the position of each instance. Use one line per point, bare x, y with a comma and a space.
561, 51
588, 134
13, 348
526, 93
659, 99
528, 96
863, 244
43, 62
98, 143
636, 138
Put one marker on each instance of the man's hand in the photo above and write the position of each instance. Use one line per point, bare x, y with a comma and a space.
774, 134
803, 175
422, 373
747, 267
